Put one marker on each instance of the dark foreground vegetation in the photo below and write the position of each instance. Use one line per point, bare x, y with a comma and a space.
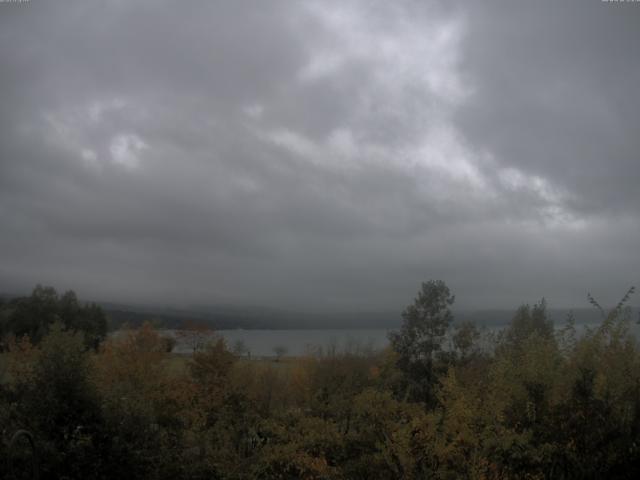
532, 402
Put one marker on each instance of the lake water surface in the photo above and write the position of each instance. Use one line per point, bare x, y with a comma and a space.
261, 343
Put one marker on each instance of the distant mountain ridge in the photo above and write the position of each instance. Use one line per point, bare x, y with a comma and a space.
225, 317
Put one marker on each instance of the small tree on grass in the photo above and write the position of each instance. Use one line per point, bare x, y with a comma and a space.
194, 335
240, 348
280, 351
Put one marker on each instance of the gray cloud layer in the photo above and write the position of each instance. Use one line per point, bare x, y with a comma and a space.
328, 155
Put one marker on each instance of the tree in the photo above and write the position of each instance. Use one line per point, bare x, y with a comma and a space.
526, 322
240, 348
465, 339
420, 338
34, 315
194, 335
141, 405
211, 366
169, 343
88, 319
280, 351
60, 406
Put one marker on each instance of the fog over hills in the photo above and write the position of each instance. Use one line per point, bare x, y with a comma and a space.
258, 318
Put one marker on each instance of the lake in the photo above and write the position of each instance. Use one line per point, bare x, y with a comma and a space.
261, 343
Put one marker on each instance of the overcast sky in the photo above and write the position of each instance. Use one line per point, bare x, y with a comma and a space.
327, 155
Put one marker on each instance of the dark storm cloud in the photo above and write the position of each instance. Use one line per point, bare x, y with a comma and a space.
321, 154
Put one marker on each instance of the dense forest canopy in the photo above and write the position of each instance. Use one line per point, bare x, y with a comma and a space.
33, 316
539, 403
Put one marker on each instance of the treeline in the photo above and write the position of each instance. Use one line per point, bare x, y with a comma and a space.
532, 402
33, 316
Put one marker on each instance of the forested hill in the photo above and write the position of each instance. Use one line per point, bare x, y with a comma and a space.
231, 317
221, 318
